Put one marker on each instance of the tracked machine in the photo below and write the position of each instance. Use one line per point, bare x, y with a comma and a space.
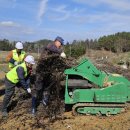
92, 91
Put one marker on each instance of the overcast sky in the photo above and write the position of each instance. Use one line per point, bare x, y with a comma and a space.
31, 20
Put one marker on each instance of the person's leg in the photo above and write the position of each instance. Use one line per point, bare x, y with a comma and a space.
36, 95
34, 105
9, 90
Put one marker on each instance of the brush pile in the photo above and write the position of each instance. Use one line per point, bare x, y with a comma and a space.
49, 72
110, 68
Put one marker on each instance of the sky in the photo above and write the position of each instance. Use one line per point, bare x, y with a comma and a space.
32, 20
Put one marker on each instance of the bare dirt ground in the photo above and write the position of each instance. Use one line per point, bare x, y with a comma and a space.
21, 119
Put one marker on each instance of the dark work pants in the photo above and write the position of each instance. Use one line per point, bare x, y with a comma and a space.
39, 92
9, 91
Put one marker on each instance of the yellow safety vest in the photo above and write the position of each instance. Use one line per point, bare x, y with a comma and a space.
17, 58
12, 74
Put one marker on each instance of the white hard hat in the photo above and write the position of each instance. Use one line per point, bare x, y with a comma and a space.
19, 45
29, 59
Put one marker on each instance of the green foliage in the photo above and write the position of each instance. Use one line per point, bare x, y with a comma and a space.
5, 45
76, 49
36, 46
119, 42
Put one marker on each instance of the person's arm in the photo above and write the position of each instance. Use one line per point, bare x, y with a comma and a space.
53, 48
20, 73
9, 57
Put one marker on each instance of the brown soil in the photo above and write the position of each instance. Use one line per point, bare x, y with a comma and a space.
19, 119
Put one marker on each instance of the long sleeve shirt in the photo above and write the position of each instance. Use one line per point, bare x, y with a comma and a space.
9, 57
52, 48
24, 81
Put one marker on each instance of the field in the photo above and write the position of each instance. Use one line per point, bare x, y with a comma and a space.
21, 119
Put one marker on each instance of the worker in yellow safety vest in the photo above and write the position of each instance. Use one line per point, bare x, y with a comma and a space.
19, 74
16, 56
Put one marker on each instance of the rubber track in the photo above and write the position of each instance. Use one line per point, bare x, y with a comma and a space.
95, 105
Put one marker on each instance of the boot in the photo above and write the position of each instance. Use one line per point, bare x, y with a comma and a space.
33, 105
33, 111
4, 115
45, 99
44, 102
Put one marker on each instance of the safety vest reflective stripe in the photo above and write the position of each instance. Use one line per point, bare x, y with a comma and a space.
16, 57
12, 74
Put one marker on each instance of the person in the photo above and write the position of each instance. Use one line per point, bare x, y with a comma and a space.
54, 48
20, 73
16, 56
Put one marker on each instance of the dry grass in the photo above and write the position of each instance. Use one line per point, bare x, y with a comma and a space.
106, 55
3, 55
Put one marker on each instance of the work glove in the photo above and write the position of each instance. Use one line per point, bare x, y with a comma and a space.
15, 63
28, 90
63, 55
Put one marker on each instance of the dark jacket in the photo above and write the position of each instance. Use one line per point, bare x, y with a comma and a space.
50, 49
24, 82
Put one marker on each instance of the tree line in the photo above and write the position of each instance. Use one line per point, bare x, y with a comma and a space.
119, 42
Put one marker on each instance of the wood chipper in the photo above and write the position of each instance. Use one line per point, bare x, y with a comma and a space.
91, 91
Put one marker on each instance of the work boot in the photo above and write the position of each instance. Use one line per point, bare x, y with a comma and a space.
44, 102
33, 105
45, 99
33, 112
4, 115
